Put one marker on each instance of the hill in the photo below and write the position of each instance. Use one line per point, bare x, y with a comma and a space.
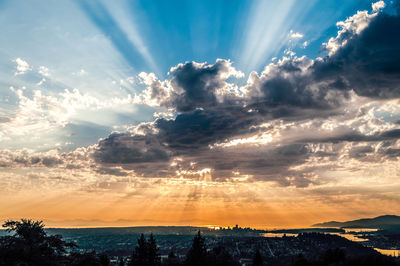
380, 222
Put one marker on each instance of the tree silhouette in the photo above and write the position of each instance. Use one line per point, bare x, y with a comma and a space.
197, 254
220, 257
146, 252
152, 255
139, 257
29, 244
257, 260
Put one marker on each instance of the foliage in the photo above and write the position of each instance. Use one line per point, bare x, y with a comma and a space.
197, 254
28, 244
146, 252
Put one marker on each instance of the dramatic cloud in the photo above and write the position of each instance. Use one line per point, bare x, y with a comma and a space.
192, 85
367, 59
227, 130
283, 125
305, 138
122, 148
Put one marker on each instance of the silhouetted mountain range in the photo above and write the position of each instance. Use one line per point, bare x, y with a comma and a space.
380, 222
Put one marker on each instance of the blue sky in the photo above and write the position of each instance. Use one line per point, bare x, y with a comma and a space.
169, 32
113, 96
93, 45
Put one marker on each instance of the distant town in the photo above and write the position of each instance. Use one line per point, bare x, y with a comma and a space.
174, 245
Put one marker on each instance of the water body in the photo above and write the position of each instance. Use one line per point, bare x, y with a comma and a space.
389, 252
278, 235
352, 234
360, 230
351, 237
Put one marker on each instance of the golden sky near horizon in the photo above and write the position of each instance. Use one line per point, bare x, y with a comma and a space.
198, 202
268, 114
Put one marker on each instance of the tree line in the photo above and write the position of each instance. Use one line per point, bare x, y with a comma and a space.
27, 244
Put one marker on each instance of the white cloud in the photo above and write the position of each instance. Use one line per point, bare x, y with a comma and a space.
378, 6
43, 80
353, 25
40, 114
44, 71
295, 35
22, 66
163, 93
289, 52
157, 93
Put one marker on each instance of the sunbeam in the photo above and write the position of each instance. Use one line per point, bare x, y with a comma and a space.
258, 113
121, 31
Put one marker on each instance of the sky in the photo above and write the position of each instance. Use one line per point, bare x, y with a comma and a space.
265, 113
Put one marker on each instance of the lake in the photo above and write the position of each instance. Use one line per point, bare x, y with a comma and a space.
350, 234
389, 252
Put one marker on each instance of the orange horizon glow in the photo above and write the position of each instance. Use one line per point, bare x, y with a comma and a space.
179, 202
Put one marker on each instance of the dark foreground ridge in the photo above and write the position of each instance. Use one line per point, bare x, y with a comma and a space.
28, 243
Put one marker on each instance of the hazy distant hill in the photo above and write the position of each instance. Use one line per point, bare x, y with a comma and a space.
380, 222
136, 230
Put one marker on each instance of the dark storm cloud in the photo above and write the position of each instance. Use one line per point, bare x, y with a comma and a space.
198, 85
289, 86
368, 63
191, 85
125, 148
198, 129
210, 110
187, 133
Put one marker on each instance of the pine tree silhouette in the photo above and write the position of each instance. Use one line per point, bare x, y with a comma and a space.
140, 254
153, 256
146, 253
197, 254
